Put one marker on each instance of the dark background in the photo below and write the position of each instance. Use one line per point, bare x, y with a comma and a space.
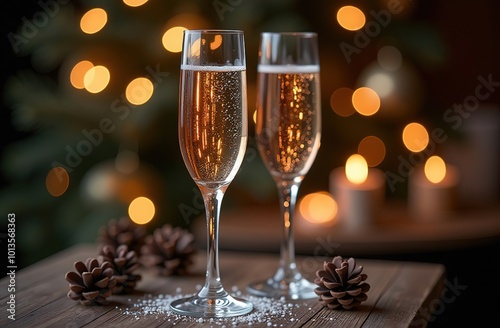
449, 43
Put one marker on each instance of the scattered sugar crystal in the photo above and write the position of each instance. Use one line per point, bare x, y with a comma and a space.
269, 311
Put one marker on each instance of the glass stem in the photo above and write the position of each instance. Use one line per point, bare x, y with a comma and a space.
213, 200
287, 190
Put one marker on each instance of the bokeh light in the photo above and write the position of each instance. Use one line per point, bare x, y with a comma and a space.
78, 72
341, 102
139, 91
351, 18
57, 181
319, 207
141, 210
216, 43
415, 137
356, 169
96, 79
195, 48
365, 101
172, 39
435, 169
389, 58
372, 149
381, 83
134, 3
93, 20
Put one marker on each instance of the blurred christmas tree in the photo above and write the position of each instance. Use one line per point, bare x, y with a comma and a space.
93, 148
99, 140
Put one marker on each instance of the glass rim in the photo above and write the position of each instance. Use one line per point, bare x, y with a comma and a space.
213, 31
301, 34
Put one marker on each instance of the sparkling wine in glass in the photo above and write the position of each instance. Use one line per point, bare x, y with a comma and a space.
213, 133
288, 133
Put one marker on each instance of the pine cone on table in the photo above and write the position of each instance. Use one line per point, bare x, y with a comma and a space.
340, 284
123, 232
124, 262
92, 284
169, 250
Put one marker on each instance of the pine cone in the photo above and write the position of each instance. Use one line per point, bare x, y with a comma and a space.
168, 250
124, 263
339, 284
123, 232
92, 283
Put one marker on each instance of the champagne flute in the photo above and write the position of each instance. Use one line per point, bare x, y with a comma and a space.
213, 133
288, 133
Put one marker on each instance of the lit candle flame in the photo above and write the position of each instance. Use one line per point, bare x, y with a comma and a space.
356, 169
435, 169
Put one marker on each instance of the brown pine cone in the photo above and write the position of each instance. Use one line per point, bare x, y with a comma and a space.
123, 232
168, 250
92, 283
124, 263
340, 284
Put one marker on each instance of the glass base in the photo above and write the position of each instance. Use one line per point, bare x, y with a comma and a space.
297, 289
220, 307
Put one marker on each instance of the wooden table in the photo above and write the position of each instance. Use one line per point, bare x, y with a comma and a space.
402, 294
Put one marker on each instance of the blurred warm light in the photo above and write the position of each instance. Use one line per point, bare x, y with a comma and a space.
172, 39
435, 169
100, 185
254, 117
356, 169
365, 101
96, 79
78, 73
195, 48
57, 181
389, 58
141, 210
216, 43
351, 18
341, 102
372, 149
415, 137
319, 207
139, 91
127, 161
93, 20
381, 83
134, 3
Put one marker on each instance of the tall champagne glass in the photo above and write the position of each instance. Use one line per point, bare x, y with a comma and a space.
288, 135
213, 133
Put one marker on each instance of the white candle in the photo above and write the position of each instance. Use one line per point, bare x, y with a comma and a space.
359, 192
432, 190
